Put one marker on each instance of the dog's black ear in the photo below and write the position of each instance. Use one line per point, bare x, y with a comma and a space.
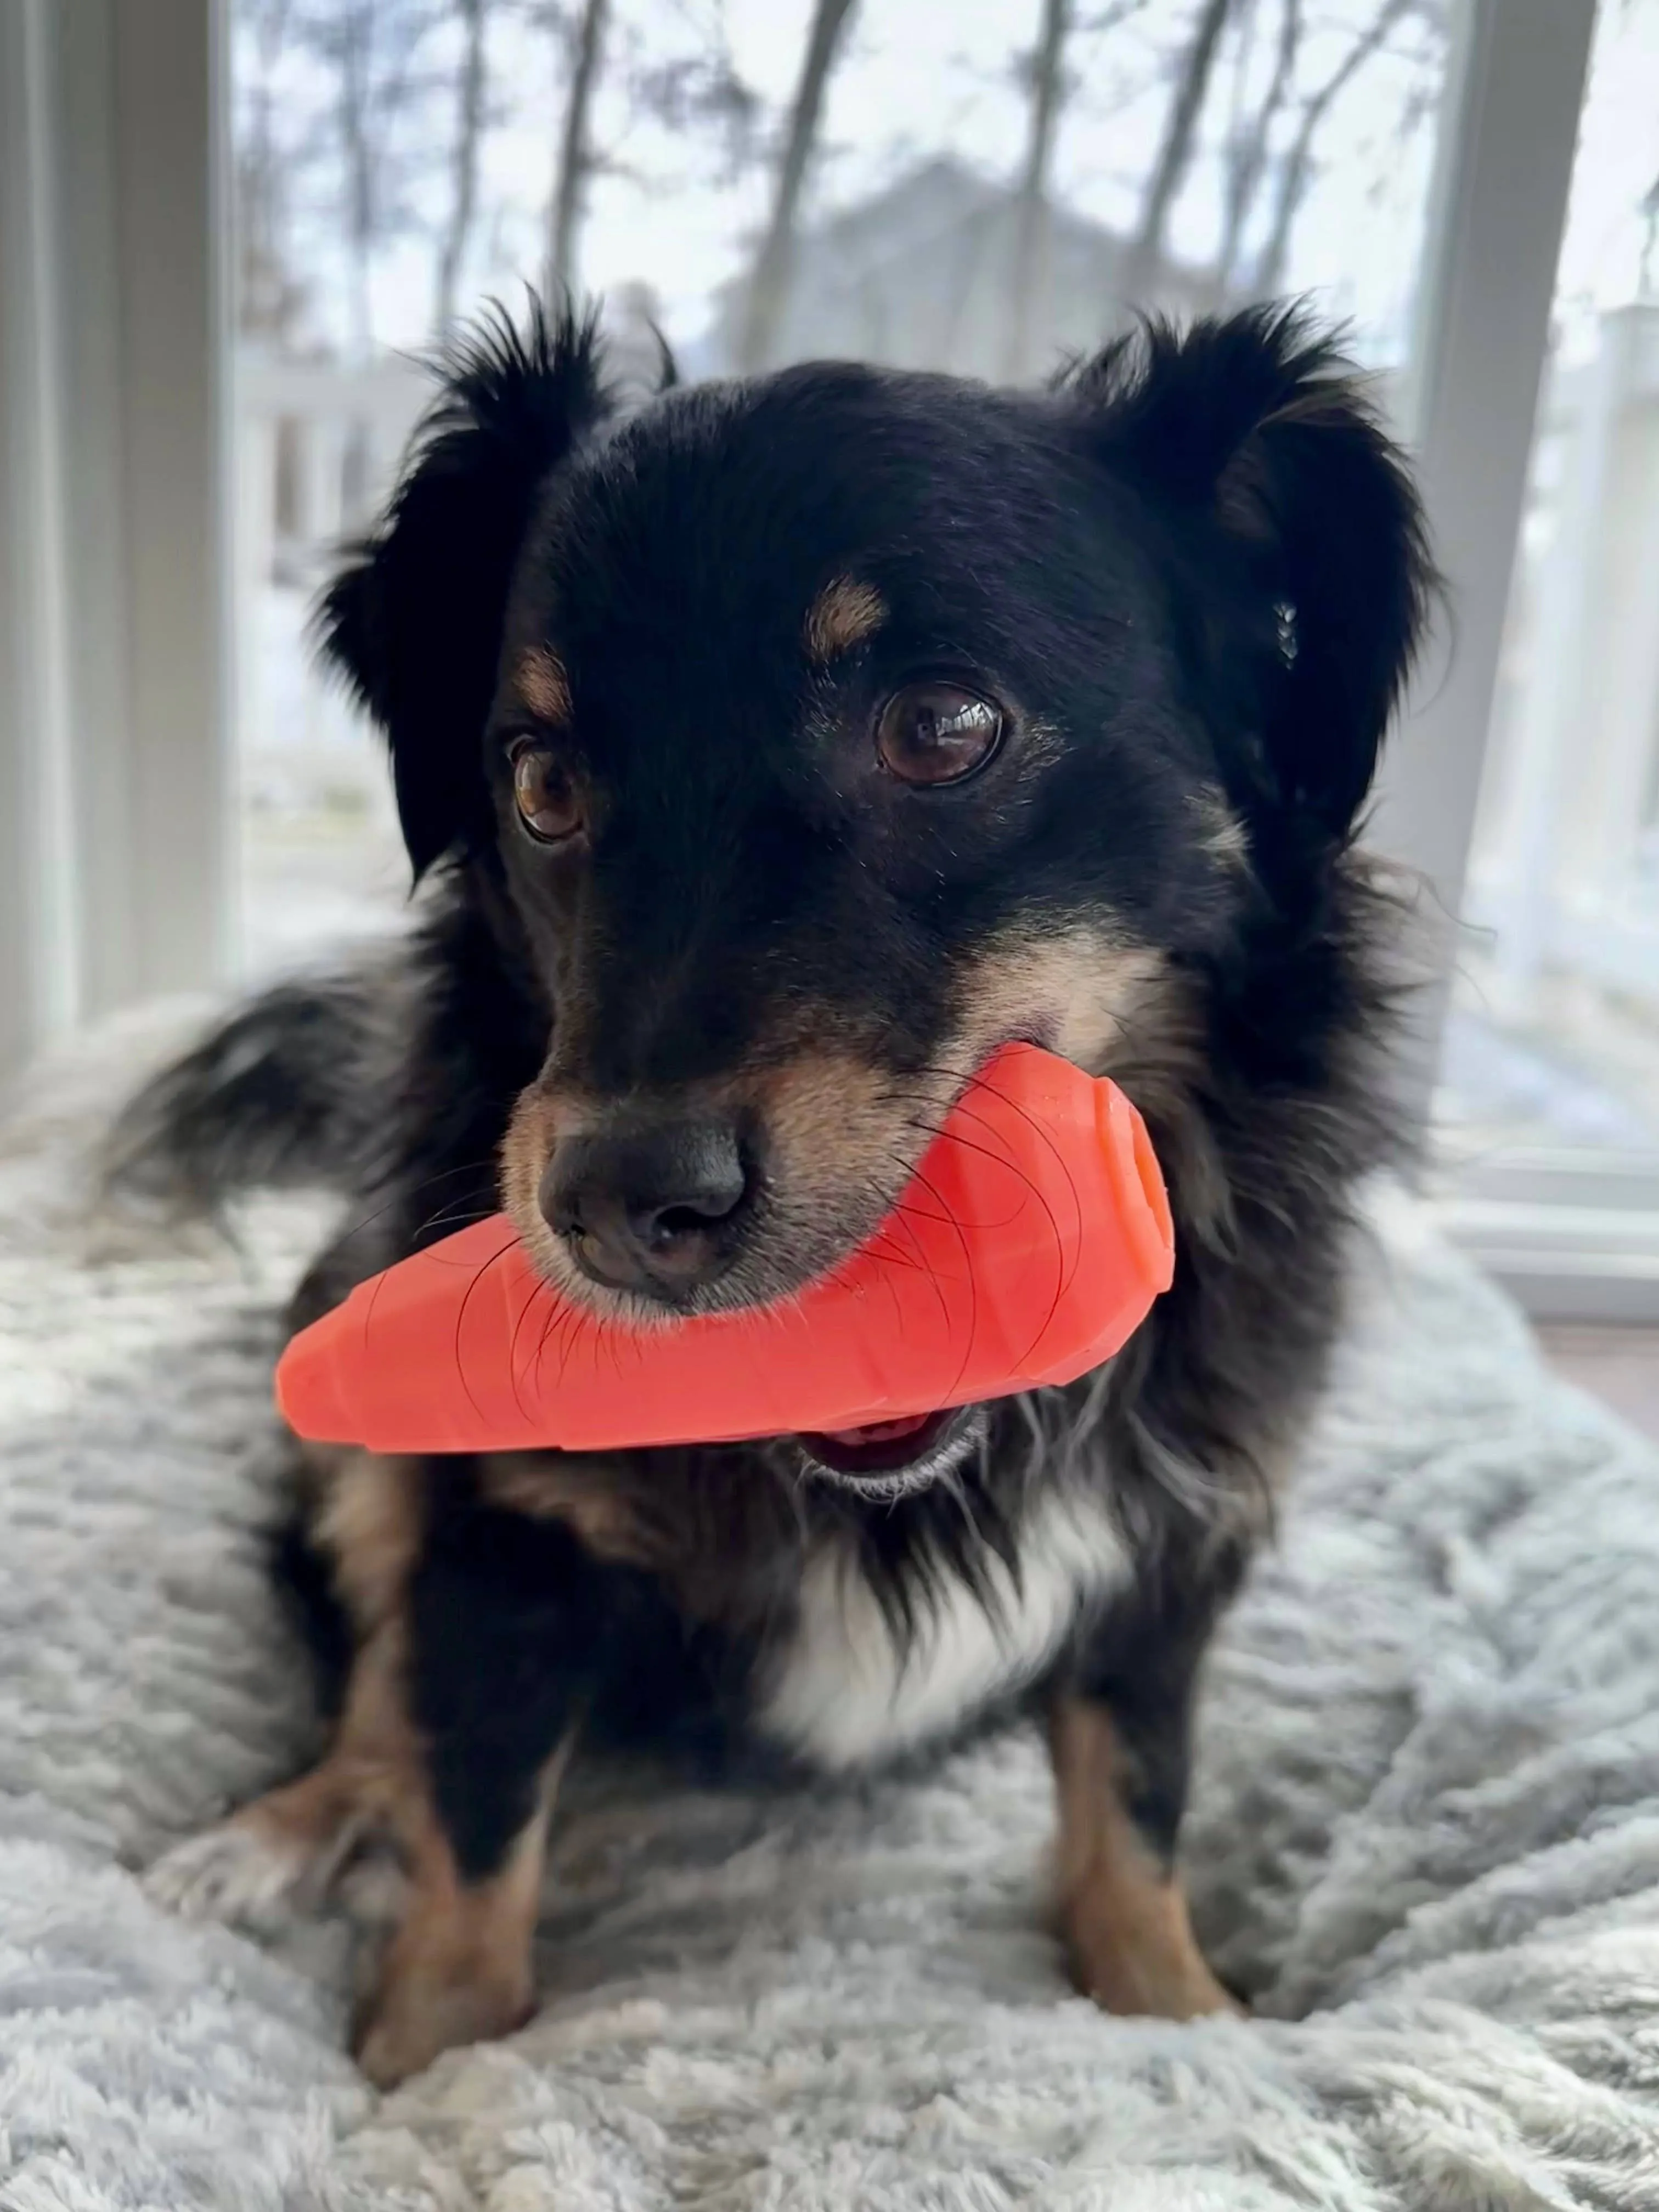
1257, 438
414, 617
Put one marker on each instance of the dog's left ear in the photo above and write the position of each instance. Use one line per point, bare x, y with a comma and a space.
1256, 439
414, 617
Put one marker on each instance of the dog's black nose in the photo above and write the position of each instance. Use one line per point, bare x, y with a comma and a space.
651, 1208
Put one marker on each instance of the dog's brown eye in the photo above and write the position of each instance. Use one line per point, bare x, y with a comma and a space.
548, 802
936, 732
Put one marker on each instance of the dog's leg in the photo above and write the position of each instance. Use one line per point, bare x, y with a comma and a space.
1119, 1730
458, 1969
368, 1523
480, 1633
285, 1845
509, 1621
1122, 1908
291, 1843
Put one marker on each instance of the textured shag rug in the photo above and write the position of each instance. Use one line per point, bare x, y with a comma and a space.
1426, 1836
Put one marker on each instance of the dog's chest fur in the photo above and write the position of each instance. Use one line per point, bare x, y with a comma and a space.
844, 1688
793, 1578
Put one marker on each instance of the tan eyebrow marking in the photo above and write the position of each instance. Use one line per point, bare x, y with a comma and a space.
844, 613
541, 685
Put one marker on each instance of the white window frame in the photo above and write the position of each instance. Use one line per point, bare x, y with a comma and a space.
115, 764
1497, 210
116, 833
1574, 1236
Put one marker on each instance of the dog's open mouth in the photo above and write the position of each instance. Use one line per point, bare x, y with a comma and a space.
882, 1448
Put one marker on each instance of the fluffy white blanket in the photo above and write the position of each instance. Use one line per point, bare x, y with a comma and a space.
1426, 1836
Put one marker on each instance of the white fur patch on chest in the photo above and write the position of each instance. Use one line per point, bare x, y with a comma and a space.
845, 1694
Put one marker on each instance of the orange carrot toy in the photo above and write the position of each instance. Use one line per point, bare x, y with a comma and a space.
1027, 1248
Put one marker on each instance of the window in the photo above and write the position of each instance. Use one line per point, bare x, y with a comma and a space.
1547, 1113
398, 162
979, 188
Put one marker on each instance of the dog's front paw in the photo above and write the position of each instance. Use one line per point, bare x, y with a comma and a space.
287, 1846
418, 2013
1144, 1963
237, 1871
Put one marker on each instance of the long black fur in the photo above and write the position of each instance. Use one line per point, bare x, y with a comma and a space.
1197, 567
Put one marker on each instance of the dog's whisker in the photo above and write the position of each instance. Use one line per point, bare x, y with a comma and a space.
360, 1223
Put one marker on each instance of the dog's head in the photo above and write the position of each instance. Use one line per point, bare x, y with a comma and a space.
824, 732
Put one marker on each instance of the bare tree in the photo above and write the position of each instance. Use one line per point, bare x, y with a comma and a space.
1248, 156
471, 100
769, 286
576, 158
1030, 272
353, 45
703, 93
372, 47
1191, 84
268, 296
1296, 172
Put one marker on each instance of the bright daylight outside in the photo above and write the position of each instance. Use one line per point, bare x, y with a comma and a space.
981, 188
1553, 1043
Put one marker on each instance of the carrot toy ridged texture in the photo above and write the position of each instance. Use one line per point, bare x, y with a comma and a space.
1026, 1249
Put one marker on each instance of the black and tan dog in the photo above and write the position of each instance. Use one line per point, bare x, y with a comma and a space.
776, 750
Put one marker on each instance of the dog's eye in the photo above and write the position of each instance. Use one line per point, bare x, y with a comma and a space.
936, 733
549, 801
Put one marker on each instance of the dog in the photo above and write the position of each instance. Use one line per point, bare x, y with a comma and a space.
771, 752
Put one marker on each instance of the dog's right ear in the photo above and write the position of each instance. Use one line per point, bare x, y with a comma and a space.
1258, 442
414, 617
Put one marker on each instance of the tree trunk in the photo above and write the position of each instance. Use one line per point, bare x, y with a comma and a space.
576, 154
1175, 155
768, 287
463, 167
1297, 170
356, 138
1030, 273
1250, 162
262, 288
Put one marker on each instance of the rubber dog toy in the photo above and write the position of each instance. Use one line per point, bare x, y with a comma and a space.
1028, 1246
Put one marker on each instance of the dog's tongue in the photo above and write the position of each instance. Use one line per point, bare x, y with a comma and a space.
880, 1432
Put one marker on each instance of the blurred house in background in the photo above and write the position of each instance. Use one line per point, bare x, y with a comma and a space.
921, 274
